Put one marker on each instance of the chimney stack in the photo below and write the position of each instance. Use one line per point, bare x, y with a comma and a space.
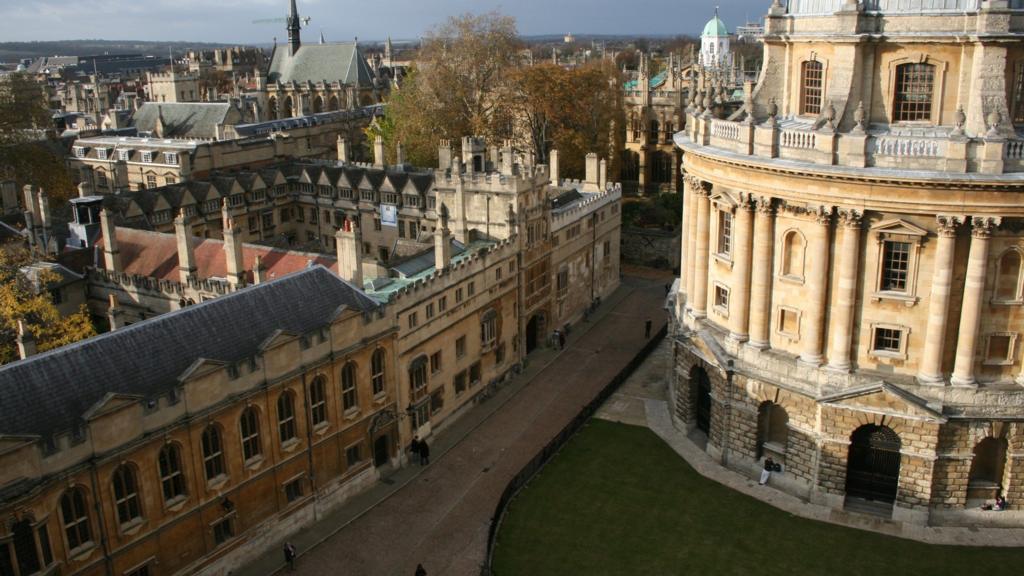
350, 256
442, 242
258, 270
233, 254
602, 175
111, 253
342, 150
507, 159
590, 182
553, 167
26, 341
186, 251
444, 155
378, 152
400, 154
114, 313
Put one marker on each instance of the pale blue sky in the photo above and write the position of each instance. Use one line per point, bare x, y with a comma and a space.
230, 20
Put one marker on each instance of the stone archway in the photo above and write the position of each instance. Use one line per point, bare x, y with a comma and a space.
700, 384
873, 464
535, 331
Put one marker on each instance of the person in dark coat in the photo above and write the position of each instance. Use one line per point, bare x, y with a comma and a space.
424, 453
647, 328
561, 340
420, 570
414, 447
289, 555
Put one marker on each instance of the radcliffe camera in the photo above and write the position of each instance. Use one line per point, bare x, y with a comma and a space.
541, 289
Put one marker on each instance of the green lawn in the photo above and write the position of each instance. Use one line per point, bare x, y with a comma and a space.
617, 500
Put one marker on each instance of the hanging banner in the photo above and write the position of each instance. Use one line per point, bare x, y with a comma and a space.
389, 215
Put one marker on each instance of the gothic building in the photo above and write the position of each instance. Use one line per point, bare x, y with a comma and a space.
853, 261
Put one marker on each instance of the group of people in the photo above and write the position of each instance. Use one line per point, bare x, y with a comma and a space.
997, 506
420, 448
558, 339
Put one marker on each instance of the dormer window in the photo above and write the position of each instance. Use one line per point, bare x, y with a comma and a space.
171, 158
101, 153
147, 156
124, 155
79, 151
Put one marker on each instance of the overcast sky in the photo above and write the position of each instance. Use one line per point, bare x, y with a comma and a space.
229, 21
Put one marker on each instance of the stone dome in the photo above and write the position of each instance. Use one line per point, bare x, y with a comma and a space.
715, 27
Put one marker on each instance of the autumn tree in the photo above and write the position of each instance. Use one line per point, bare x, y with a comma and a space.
458, 86
576, 111
21, 299
28, 153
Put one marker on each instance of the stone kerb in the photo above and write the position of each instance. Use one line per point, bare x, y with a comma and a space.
473, 264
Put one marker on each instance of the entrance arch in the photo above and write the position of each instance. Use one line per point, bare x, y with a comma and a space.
772, 428
701, 384
534, 331
873, 464
381, 450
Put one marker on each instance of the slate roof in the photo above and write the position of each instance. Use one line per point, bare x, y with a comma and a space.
424, 260
48, 393
315, 63
155, 255
185, 119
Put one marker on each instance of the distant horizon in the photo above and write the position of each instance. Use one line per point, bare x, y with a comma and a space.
230, 22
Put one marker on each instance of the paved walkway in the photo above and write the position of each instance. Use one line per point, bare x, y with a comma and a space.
439, 515
642, 401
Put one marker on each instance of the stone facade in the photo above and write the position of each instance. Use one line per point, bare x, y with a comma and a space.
851, 286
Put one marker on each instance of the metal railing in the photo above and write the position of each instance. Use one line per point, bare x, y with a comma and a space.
527, 472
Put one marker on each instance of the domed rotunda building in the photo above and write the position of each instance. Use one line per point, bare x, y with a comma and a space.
851, 300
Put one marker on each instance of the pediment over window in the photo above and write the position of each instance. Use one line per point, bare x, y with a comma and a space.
724, 201
898, 227
110, 403
200, 367
885, 398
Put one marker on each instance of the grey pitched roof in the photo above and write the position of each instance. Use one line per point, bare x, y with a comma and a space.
318, 62
423, 261
48, 393
185, 119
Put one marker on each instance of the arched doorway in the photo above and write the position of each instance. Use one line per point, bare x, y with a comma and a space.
985, 479
534, 332
873, 464
381, 450
702, 387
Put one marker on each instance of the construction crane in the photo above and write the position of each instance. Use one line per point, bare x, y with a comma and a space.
304, 20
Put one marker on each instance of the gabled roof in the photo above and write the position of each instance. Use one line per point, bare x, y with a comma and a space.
51, 392
185, 119
319, 62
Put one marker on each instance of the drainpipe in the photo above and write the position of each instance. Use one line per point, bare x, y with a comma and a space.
99, 517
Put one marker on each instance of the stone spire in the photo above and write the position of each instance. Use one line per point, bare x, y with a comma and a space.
294, 25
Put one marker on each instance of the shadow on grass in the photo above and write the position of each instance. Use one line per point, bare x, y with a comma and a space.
618, 500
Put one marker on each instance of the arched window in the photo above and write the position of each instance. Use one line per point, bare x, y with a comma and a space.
318, 400
988, 464
1008, 285
349, 395
272, 108
812, 81
213, 452
286, 416
171, 478
333, 104
249, 426
377, 365
915, 87
772, 428
661, 171
418, 375
318, 105
126, 494
75, 517
793, 254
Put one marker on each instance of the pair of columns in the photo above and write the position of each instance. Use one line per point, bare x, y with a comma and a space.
750, 295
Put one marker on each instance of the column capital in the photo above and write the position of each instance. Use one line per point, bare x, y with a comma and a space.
698, 186
851, 218
763, 205
982, 226
822, 214
747, 201
948, 224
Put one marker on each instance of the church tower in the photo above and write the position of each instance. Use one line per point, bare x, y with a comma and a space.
294, 25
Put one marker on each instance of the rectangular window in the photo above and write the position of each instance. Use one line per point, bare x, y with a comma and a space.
353, 455
888, 340
915, 85
442, 303
789, 322
1000, 349
286, 215
497, 275
471, 289
376, 224
895, 265
223, 531
460, 347
147, 157
435, 362
430, 310
150, 181
437, 401
811, 83
1018, 93
300, 214
401, 228
459, 383
253, 224
413, 321
267, 219
458, 295
170, 158
293, 490
725, 233
314, 216
562, 282
474, 374
722, 298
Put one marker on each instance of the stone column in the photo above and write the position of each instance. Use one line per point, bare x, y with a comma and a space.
739, 297
761, 275
692, 184
812, 330
938, 301
843, 313
974, 298
684, 246
699, 305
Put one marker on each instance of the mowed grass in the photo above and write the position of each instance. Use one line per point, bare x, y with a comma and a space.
617, 500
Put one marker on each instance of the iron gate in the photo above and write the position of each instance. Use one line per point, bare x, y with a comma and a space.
873, 467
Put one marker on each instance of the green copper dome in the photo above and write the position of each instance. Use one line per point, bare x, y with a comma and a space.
715, 27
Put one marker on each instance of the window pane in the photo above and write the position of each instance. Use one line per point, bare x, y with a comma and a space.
895, 265
811, 85
914, 88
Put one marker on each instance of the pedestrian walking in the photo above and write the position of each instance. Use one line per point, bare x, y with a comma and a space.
289, 555
420, 570
561, 340
424, 453
414, 448
647, 328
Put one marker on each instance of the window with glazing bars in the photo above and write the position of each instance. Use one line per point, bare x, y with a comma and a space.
895, 265
915, 84
811, 82
888, 339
